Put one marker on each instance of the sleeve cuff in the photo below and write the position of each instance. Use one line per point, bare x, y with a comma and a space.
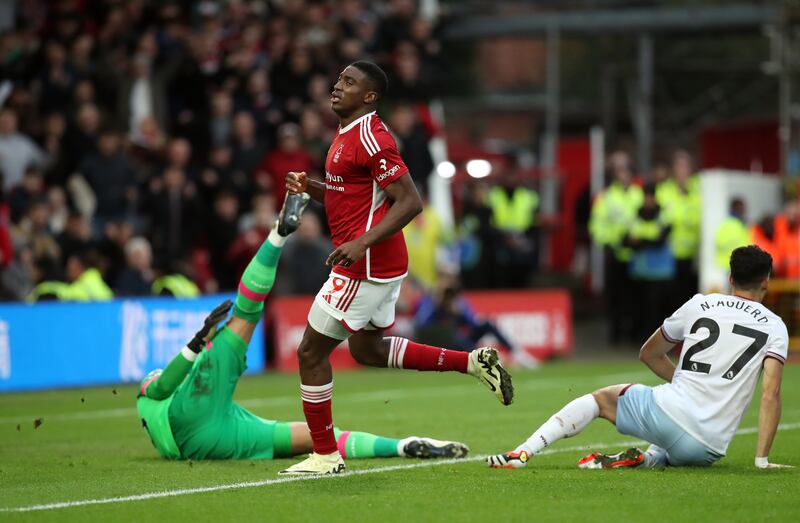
775, 356
189, 354
667, 336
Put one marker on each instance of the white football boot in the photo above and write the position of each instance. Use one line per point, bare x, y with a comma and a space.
509, 460
484, 364
317, 465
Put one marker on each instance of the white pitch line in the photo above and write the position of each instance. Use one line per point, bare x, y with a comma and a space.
377, 395
292, 479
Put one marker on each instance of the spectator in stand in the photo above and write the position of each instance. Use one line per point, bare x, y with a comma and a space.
763, 235
173, 209
787, 236
411, 79
444, 316
221, 122
679, 198
248, 149
81, 137
296, 70
53, 142
426, 237
17, 151
289, 156
136, 279
396, 26
254, 228
652, 266
56, 81
302, 266
731, 233
110, 175
33, 232
222, 229
30, 189
59, 208
477, 238
413, 144
316, 138
514, 209
111, 249
259, 101
76, 236
143, 91
613, 212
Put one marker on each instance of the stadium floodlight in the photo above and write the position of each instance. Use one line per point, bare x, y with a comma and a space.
479, 168
446, 169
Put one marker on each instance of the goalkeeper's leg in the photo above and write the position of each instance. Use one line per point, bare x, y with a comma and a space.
258, 277
293, 438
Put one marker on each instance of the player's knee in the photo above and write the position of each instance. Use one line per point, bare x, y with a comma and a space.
307, 355
606, 402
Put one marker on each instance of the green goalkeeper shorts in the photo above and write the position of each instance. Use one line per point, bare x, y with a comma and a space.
205, 421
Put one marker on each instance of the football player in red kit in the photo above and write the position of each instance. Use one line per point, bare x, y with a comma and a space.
369, 197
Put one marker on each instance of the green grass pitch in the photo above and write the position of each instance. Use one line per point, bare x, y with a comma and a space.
90, 446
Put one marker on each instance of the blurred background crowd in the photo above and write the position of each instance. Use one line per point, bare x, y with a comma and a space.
144, 144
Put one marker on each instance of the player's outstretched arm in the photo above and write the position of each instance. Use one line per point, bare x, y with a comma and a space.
406, 204
770, 412
162, 386
654, 355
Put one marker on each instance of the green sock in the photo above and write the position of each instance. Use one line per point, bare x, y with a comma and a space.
359, 445
256, 282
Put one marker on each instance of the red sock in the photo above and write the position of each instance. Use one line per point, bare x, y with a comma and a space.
405, 354
317, 408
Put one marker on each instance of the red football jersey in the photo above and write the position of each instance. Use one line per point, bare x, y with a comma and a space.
362, 160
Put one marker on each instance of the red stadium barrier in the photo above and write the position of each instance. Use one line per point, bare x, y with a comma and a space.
537, 321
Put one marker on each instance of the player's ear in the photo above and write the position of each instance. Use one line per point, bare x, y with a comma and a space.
371, 97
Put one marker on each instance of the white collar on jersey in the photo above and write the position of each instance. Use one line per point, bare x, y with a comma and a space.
354, 123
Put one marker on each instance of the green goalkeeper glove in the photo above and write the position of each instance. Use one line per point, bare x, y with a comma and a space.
209, 326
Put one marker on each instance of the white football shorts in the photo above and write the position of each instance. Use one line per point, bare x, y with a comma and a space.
344, 306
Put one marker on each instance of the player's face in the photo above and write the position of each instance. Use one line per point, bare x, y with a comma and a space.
351, 92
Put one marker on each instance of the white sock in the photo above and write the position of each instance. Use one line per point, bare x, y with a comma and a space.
276, 239
567, 422
655, 457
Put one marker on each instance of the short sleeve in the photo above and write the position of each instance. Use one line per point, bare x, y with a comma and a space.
778, 347
673, 327
383, 159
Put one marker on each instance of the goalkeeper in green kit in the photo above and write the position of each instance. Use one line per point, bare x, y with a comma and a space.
195, 417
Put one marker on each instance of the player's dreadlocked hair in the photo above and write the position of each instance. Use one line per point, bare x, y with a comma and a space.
378, 78
749, 266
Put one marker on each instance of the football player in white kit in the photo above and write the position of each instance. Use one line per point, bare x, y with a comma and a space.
728, 339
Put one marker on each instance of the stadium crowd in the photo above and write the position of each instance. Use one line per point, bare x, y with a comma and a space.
143, 144
143, 147
650, 233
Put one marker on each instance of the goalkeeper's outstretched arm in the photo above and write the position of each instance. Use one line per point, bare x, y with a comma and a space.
163, 384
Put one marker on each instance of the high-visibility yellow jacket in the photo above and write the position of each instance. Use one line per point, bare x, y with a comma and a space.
515, 213
731, 234
681, 210
613, 213
177, 285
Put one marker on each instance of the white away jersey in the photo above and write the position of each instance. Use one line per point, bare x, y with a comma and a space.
725, 341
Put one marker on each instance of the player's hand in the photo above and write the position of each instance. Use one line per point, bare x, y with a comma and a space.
763, 463
347, 253
296, 182
210, 326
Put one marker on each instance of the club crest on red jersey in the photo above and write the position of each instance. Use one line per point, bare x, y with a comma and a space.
338, 153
